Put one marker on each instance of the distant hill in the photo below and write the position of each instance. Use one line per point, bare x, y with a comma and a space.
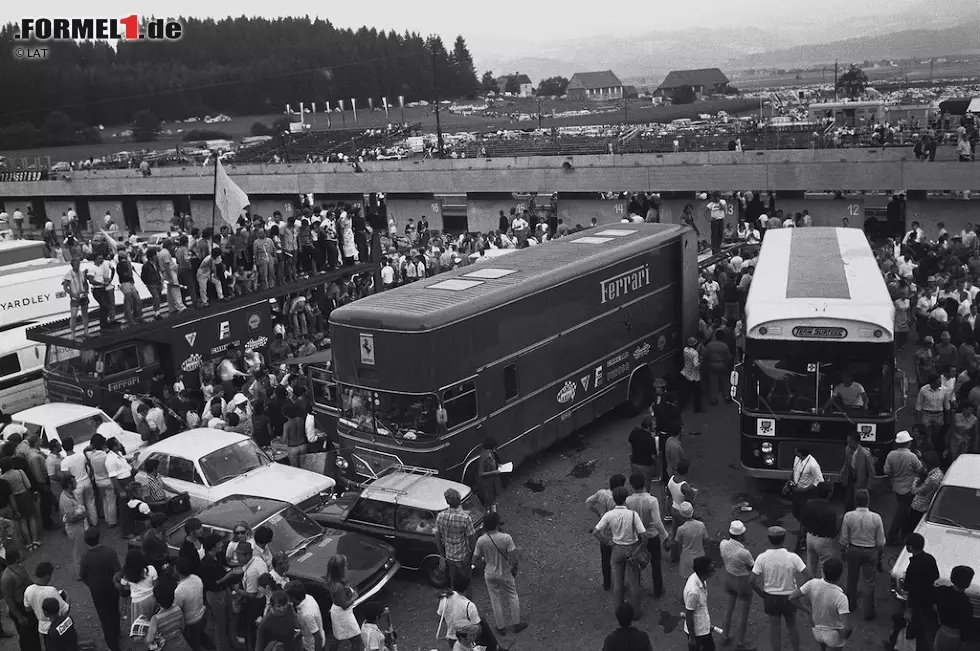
906, 44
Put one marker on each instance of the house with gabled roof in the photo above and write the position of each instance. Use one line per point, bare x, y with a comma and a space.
704, 81
594, 85
523, 81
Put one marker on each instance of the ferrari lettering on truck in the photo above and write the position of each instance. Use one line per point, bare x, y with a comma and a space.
625, 283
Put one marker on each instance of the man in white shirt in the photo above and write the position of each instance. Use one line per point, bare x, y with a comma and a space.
18, 223
625, 528
848, 394
715, 213
827, 607
75, 464
308, 615
774, 579
100, 279
387, 275
807, 475
457, 611
37, 592
697, 619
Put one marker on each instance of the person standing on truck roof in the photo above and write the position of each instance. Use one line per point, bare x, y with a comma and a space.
132, 305
168, 273
715, 213
150, 275
100, 279
206, 276
76, 286
264, 255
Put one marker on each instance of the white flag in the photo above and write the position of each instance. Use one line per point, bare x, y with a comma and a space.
230, 199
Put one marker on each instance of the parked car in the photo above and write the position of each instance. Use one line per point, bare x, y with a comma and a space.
951, 527
58, 420
210, 464
400, 506
370, 563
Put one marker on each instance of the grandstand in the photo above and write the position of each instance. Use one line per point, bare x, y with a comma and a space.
329, 145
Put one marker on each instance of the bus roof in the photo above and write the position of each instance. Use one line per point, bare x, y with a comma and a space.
467, 291
818, 272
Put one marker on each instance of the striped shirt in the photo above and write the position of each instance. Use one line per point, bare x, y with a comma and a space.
454, 527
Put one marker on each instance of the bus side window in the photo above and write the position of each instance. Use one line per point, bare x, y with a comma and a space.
511, 388
9, 364
460, 404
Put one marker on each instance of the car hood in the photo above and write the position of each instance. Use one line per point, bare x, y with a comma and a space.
366, 558
950, 546
277, 481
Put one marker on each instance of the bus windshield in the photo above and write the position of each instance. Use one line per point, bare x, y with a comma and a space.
403, 416
70, 361
798, 386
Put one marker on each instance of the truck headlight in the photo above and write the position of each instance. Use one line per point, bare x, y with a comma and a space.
767, 447
769, 460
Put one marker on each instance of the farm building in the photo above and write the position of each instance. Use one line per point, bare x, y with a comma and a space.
525, 82
595, 85
705, 81
630, 92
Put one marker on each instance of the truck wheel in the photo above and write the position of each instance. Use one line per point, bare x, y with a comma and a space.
436, 573
640, 393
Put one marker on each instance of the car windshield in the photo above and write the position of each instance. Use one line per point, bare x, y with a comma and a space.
799, 386
291, 529
233, 460
403, 416
82, 430
70, 362
956, 506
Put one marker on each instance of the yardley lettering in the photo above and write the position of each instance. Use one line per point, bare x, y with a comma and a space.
624, 283
24, 302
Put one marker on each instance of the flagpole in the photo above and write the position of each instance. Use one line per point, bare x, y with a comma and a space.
214, 202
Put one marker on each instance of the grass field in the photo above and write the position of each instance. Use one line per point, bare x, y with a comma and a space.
638, 111
825, 75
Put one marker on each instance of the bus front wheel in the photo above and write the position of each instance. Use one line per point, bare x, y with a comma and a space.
640, 392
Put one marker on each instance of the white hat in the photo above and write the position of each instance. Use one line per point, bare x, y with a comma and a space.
903, 437
686, 509
736, 528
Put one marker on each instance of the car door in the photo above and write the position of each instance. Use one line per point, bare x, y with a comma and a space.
183, 476
415, 535
373, 518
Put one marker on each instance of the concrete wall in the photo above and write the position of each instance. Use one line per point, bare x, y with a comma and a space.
484, 214
265, 206
954, 213
201, 212
98, 208
404, 208
54, 208
155, 214
581, 211
855, 169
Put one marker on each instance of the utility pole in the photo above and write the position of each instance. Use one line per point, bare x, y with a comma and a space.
626, 109
835, 81
435, 90
539, 112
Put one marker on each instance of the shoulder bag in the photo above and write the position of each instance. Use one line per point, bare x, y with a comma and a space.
639, 555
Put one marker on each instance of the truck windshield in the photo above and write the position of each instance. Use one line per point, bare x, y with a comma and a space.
70, 362
403, 416
797, 386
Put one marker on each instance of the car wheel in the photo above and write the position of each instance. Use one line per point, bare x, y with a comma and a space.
437, 574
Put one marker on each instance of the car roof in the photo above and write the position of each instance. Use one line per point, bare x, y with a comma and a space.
965, 472
194, 443
229, 511
53, 414
410, 489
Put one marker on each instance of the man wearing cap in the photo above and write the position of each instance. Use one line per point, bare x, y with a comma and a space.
774, 579
902, 466
690, 537
738, 564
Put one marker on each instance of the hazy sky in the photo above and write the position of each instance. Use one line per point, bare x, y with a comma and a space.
500, 27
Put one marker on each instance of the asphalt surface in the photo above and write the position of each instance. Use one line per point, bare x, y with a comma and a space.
560, 583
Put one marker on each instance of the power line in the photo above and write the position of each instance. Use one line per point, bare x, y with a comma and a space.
220, 84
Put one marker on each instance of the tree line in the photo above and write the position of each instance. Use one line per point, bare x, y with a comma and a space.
238, 66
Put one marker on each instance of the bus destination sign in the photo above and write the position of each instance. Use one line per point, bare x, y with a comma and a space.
819, 332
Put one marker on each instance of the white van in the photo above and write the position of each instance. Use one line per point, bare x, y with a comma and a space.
32, 291
21, 362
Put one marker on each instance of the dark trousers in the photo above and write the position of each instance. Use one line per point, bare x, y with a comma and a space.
898, 529
107, 305
47, 505
333, 253
862, 563
194, 634
717, 234
125, 514
27, 634
106, 604
799, 502
656, 571
605, 556
690, 391
457, 569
